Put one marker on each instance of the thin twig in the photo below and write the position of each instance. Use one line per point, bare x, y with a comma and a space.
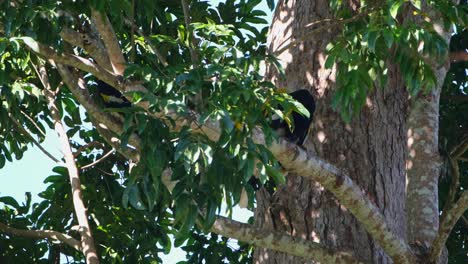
23, 131
86, 146
447, 224
460, 148
33, 122
41, 234
187, 20
98, 160
153, 48
454, 187
465, 221
132, 33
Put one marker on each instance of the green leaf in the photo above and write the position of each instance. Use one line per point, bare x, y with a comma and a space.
299, 108
54, 179
416, 3
2, 161
394, 8
273, 173
372, 39
388, 37
228, 124
249, 169
330, 61
10, 201
149, 194
271, 4
210, 216
135, 198
6, 152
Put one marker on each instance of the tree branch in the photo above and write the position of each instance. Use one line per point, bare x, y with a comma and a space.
91, 45
454, 186
447, 223
42, 234
23, 131
71, 60
34, 123
465, 221
107, 33
87, 241
98, 160
454, 156
460, 149
279, 242
186, 10
86, 146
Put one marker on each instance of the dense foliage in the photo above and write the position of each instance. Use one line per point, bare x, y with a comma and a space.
214, 67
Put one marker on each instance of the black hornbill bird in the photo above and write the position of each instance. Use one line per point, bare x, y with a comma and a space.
112, 97
301, 123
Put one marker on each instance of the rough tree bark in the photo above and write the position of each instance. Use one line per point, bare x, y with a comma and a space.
372, 148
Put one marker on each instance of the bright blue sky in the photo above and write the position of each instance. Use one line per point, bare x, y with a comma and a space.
28, 174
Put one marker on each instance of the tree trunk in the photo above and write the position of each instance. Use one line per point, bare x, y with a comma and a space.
372, 148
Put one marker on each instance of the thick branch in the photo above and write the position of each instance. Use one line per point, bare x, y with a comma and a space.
91, 45
350, 195
423, 168
447, 224
42, 234
279, 242
71, 60
87, 241
109, 38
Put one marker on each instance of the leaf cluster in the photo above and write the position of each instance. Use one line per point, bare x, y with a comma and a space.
390, 33
132, 213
